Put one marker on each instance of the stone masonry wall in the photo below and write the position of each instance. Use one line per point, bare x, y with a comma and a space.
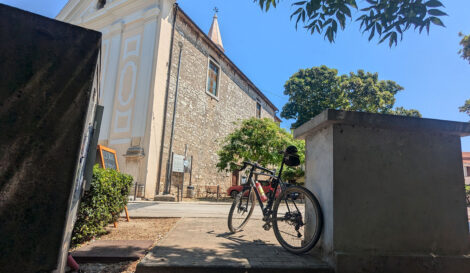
203, 121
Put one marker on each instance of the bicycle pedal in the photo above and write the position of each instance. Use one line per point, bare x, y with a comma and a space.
267, 226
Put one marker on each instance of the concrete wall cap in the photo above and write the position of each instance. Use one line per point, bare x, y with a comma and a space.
384, 121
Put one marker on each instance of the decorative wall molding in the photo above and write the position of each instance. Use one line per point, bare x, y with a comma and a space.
151, 13
119, 141
136, 51
120, 115
131, 65
116, 28
89, 10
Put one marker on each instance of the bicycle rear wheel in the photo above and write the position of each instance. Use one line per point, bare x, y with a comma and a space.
241, 209
297, 220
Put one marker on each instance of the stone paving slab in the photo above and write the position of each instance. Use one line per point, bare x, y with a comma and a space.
205, 245
109, 251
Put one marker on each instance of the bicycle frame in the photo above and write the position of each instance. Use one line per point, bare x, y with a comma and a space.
277, 181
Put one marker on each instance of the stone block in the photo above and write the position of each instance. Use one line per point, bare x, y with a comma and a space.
388, 186
46, 87
112, 251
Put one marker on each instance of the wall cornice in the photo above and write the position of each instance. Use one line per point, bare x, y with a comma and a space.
130, 11
66, 10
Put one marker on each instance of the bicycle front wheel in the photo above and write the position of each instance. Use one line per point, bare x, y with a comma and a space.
241, 210
297, 220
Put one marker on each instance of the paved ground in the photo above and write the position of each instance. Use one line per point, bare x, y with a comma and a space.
188, 209
200, 242
204, 245
183, 209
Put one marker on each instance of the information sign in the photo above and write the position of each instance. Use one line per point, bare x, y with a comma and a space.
178, 163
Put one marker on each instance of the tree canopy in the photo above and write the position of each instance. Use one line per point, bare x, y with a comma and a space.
258, 140
465, 54
465, 43
315, 89
388, 19
465, 108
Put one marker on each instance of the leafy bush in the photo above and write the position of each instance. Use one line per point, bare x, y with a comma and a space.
102, 204
291, 174
467, 192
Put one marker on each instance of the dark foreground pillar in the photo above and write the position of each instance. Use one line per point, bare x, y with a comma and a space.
391, 189
48, 79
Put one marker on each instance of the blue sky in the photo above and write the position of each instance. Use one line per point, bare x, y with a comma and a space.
268, 49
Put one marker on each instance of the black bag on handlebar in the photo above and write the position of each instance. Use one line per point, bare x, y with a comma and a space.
292, 160
291, 157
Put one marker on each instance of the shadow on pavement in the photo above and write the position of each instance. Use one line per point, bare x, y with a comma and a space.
236, 254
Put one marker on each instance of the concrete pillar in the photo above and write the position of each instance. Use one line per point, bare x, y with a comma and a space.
391, 189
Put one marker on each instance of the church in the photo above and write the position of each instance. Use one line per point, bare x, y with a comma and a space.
170, 92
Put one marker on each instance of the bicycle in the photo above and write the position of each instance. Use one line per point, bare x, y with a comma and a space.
292, 211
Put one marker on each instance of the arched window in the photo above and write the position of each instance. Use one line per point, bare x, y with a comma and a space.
101, 4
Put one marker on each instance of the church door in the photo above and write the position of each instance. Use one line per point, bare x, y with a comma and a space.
235, 178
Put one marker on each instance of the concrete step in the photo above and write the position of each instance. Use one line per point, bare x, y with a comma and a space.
204, 245
165, 197
110, 251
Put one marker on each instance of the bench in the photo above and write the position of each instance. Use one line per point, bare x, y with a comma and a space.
213, 190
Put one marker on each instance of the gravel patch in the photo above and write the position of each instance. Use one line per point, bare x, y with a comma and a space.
136, 229
140, 229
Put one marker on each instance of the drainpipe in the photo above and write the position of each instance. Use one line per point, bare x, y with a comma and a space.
170, 151
160, 161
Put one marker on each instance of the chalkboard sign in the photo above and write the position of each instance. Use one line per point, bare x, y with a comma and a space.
108, 158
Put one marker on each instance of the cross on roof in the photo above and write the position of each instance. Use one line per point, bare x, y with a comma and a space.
216, 9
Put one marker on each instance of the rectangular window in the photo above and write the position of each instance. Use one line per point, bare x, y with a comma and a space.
468, 171
258, 110
213, 79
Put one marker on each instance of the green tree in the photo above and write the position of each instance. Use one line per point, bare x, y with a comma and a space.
465, 43
315, 89
465, 54
388, 19
258, 140
400, 111
465, 108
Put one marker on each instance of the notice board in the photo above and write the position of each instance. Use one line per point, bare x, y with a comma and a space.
108, 158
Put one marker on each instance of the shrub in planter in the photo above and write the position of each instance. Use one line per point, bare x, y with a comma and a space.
102, 204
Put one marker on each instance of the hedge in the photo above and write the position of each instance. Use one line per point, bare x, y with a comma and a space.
102, 204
